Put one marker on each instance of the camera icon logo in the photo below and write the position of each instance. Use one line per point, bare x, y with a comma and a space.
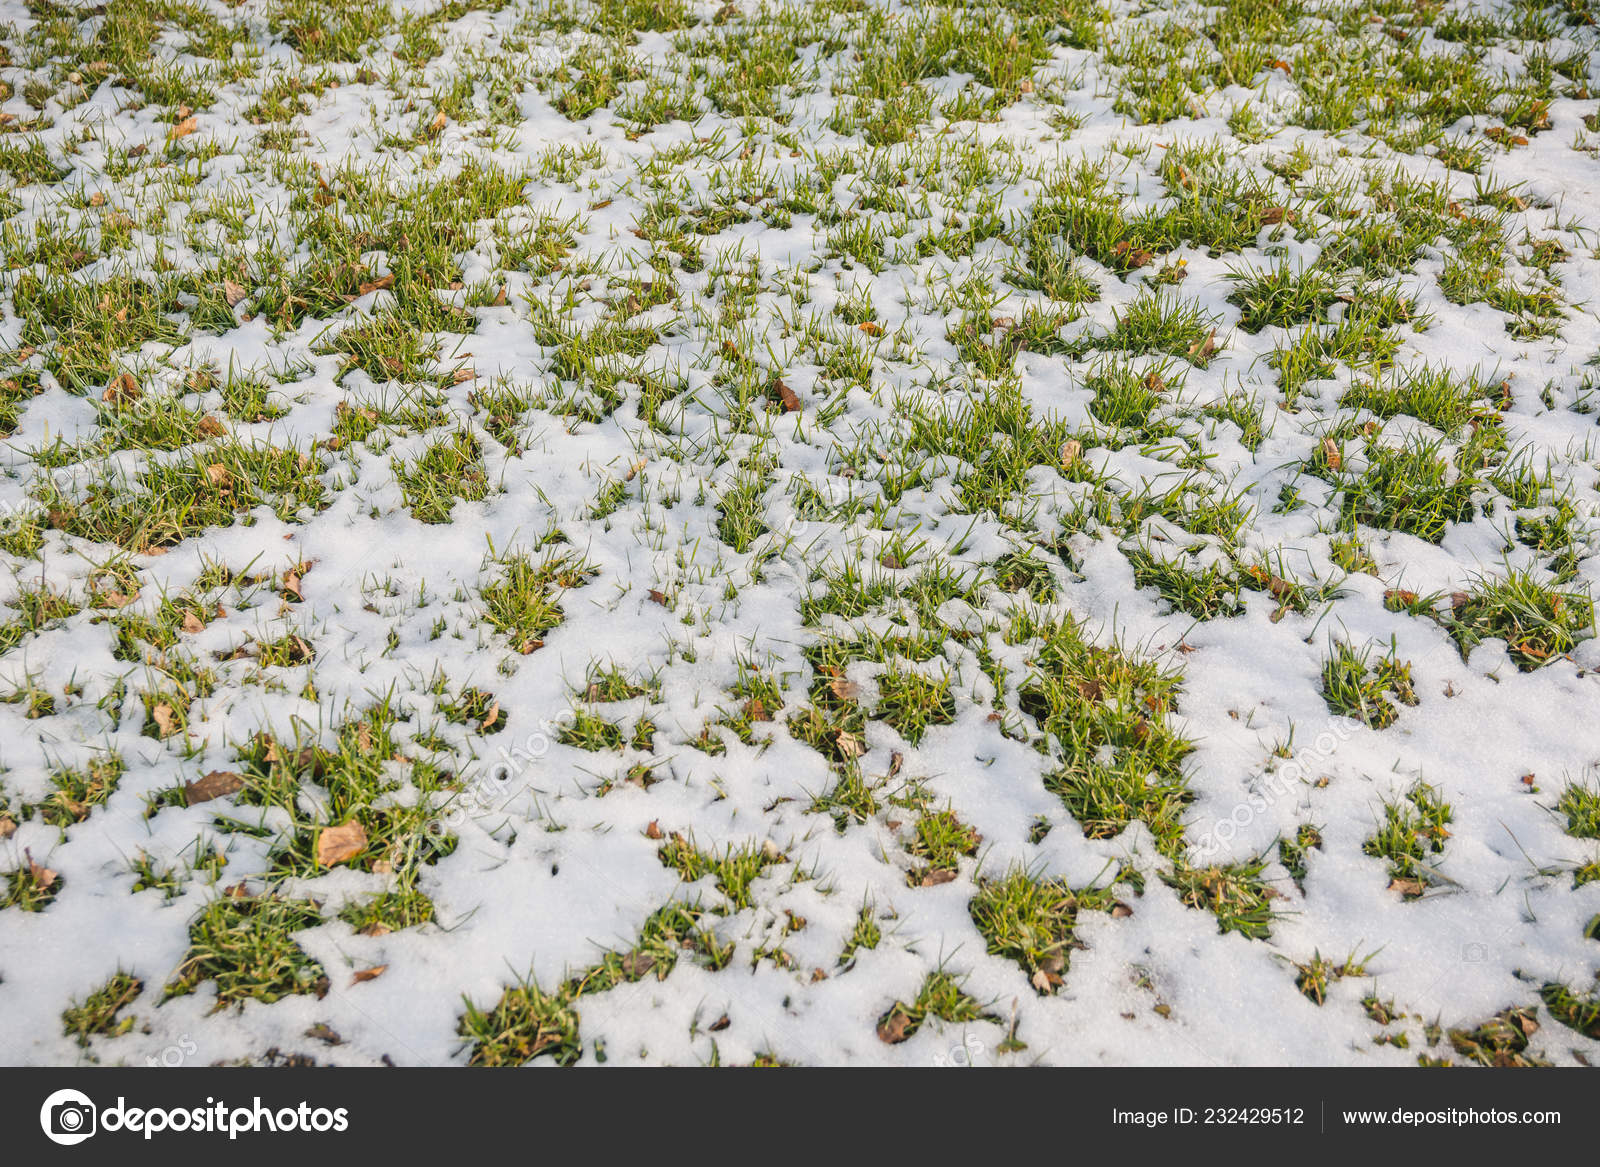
68, 1117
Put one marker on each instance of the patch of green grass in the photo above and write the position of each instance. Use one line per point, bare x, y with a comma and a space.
912, 702
1411, 487
1318, 973
866, 934
79, 791
1500, 1041
1292, 852
1580, 803
524, 602
1235, 893
941, 996
389, 911
246, 946
1104, 717
1356, 687
524, 1024
1032, 921
734, 870
941, 841
673, 932
1576, 1010
1538, 622
448, 470
30, 886
173, 500
1414, 828
97, 1015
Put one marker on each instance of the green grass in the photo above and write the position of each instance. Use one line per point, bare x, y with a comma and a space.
246, 947
1032, 921
1030, 350
1537, 622
940, 997
1414, 828
1356, 687
97, 1015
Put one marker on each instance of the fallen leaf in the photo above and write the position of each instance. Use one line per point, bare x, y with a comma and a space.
844, 690
210, 427
439, 122
324, 1034
1120, 911
1044, 982
42, 876
192, 623
376, 929
1282, 64
232, 293
217, 474
1409, 888
164, 718
8, 826
720, 1024
871, 328
635, 468
894, 1028
788, 397
363, 975
1070, 449
636, 964
653, 831
896, 760
341, 843
1331, 454
1134, 256
849, 744
291, 584
181, 129
217, 784
756, 710
934, 876
489, 718
123, 389
1201, 350
658, 597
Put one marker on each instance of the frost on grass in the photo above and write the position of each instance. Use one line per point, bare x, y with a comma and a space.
775, 533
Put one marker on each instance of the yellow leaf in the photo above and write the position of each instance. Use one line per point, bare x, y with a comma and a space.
341, 843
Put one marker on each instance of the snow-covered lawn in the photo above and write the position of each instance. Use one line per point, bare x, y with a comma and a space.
644, 531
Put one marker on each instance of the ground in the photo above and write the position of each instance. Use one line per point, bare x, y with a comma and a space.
638, 531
